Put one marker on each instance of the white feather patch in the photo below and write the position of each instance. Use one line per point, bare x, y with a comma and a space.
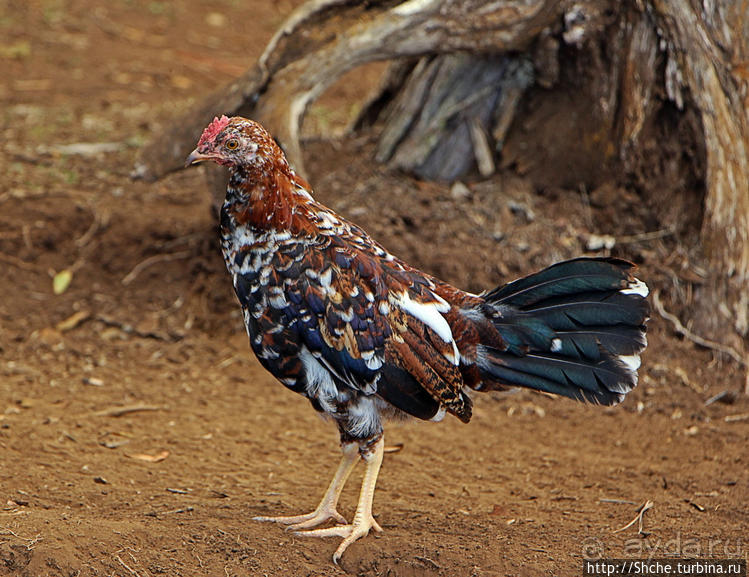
268, 354
326, 277
347, 315
413, 7
636, 287
440, 415
319, 384
373, 363
431, 315
281, 236
631, 361
363, 418
277, 299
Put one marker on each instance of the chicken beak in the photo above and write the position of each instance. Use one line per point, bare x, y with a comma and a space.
196, 157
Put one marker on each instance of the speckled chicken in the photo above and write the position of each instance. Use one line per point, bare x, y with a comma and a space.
364, 336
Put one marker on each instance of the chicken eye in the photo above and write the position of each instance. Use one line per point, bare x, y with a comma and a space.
232, 144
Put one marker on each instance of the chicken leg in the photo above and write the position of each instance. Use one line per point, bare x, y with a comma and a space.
327, 508
363, 519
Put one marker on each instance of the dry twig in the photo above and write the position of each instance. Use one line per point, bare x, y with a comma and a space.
120, 411
131, 570
727, 397
99, 222
131, 330
16, 262
150, 261
638, 519
31, 541
696, 339
428, 561
736, 418
645, 236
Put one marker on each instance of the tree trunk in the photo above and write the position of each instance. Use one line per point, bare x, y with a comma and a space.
438, 126
472, 81
709, 45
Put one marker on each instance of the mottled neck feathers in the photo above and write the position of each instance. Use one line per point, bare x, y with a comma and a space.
269, 196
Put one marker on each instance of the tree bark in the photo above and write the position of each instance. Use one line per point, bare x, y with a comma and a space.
708, 43
438, 126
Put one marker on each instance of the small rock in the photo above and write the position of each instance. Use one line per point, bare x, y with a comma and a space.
460, 191
26, 403
216, 19
600, 241
521, 209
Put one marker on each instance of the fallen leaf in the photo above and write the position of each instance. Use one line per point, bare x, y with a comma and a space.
73, 321
61, 281
150, 458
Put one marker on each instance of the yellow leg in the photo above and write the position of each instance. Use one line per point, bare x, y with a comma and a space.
327, 508
363, 520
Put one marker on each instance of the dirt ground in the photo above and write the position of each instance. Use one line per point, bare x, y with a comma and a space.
138, 436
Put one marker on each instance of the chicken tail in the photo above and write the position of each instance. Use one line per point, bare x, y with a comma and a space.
574, 329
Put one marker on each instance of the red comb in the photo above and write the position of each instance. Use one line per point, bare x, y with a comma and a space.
213, 129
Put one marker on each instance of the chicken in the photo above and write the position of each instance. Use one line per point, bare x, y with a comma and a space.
335, 317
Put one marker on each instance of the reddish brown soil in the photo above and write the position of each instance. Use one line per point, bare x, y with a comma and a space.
530, 487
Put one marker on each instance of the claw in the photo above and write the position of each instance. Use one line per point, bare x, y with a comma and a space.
357, 532
350, 533
297, 522
315, 521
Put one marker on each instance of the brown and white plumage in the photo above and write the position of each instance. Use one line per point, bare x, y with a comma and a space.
363, 335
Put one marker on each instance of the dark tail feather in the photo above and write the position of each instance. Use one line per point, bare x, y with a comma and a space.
574, 329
